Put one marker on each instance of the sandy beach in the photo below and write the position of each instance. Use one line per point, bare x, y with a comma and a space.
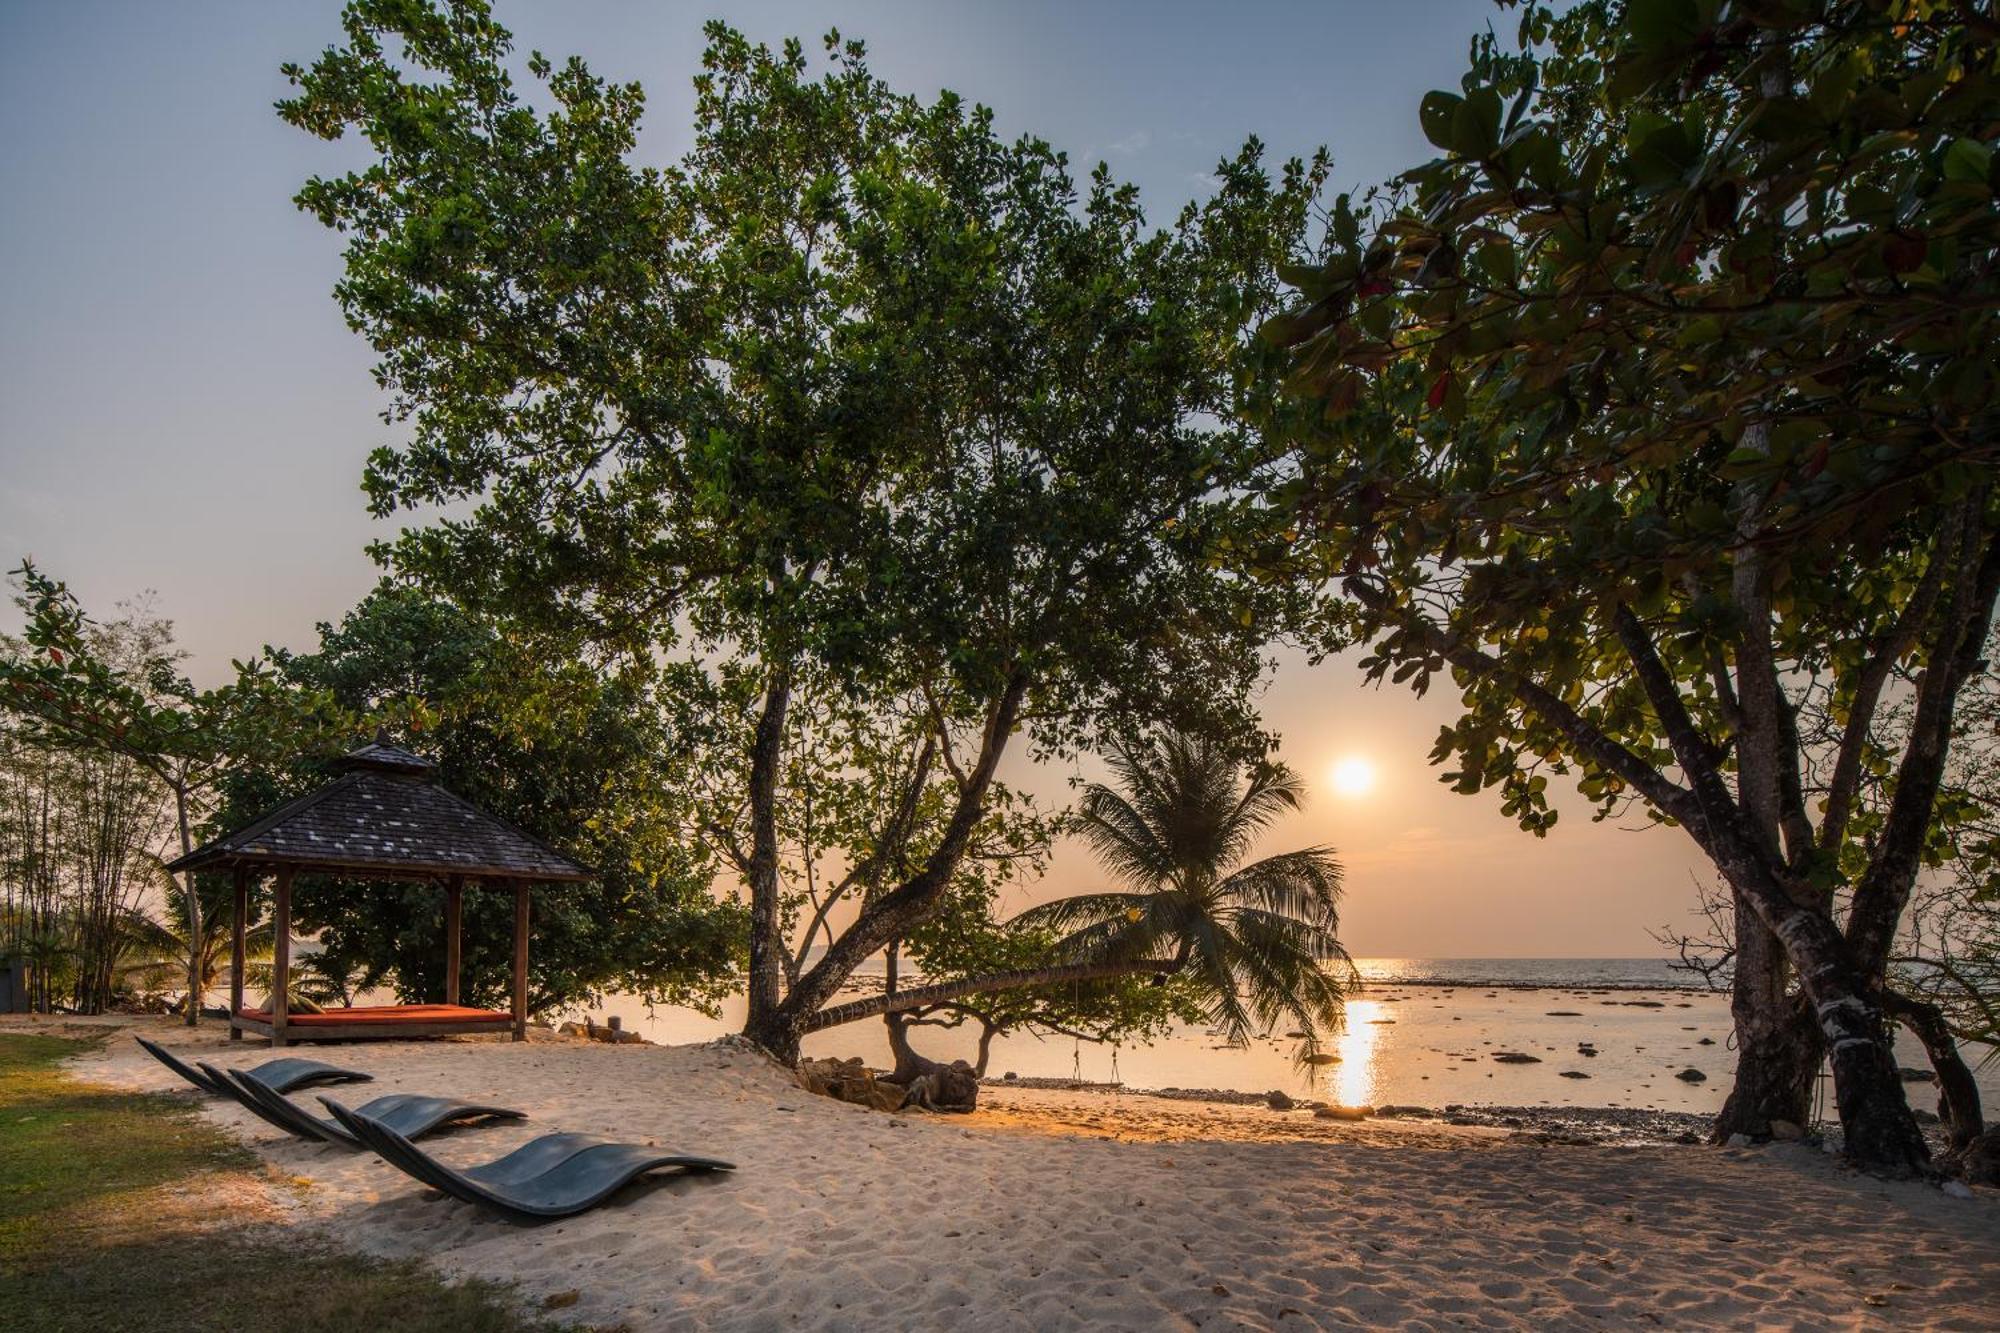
1053, 1209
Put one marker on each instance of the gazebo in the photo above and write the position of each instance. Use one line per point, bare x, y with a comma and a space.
383, 817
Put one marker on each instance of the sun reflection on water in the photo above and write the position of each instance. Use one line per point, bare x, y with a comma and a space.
1352, 1081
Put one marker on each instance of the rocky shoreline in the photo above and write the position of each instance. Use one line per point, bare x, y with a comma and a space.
1624, 1125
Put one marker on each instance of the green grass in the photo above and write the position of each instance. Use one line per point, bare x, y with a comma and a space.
104, 1224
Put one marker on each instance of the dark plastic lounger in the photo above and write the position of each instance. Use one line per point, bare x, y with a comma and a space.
228, 1088
286, 1075
557, 1175
529, 1160
409, 1114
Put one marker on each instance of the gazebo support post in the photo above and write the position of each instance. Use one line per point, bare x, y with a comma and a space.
236, 951
281, 956
520, 1006
454, 915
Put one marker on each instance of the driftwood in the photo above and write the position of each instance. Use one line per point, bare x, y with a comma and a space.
613, 1032
850, 1081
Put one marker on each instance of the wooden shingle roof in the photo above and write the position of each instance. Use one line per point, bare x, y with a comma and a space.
385, 817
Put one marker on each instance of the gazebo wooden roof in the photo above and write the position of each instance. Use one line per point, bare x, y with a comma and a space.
383, 817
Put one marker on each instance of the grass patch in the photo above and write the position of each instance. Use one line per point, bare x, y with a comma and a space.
108, 1220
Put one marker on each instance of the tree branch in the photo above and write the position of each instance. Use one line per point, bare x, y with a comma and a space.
1887, 649
894, 913
930, 996
1885, 887
1672, 799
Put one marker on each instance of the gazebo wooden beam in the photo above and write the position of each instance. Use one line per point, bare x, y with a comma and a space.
520, 1001
454, 917
281, 959
236, 962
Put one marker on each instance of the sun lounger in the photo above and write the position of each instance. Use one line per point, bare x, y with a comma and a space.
409, 1114
525, 1162
220, 1080
285, 1075
557, 1175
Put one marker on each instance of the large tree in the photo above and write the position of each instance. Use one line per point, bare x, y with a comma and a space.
1657, 414
856, 392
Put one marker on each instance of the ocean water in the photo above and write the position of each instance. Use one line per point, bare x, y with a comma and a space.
1602, 973
1421, 1031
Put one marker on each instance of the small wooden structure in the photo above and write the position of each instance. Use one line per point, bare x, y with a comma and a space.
384, 817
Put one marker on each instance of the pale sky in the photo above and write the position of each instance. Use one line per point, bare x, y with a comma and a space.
182, 408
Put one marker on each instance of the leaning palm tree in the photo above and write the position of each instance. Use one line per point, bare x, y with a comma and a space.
1258, 943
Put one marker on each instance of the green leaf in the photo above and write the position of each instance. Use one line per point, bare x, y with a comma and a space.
1968, 160
1475, 124
1438, 113
1658, 28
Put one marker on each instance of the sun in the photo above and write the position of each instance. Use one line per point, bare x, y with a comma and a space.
1353, 776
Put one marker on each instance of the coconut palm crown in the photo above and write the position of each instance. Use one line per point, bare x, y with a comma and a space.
1259, 942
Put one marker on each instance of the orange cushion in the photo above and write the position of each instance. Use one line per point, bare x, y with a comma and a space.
388, 1013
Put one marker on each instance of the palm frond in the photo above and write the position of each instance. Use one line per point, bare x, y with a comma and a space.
1123, 839
1271, 793
1304, 885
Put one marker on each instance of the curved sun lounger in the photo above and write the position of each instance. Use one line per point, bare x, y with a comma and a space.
409, 1114
227, 1087
285, 1075
524, 1185
530, 1159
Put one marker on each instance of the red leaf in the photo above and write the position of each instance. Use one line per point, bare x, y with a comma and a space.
1439, 389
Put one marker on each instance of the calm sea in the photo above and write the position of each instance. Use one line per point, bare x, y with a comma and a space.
1492, 973
1530, 973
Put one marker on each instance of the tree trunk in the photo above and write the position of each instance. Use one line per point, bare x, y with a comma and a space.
987, 1032
929, 1084
1778, 1047
1958, 1093
1882, 1136
767, 946
1778, 1055
780, 1029
193, 897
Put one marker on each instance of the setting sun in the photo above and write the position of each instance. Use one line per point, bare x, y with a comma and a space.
1353, 776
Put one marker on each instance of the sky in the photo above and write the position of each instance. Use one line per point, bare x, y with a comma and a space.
183, 409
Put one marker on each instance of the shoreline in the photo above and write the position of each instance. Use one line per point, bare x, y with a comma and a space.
1548, 1121
867, 984
1627, 1125
1567, 988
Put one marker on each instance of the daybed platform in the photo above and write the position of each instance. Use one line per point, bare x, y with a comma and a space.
382, 1022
